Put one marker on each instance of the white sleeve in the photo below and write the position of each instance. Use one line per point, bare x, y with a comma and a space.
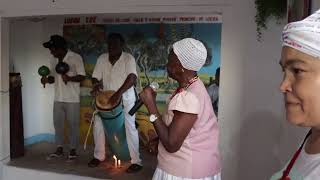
131, 65
79, 66
98, 69
215, 94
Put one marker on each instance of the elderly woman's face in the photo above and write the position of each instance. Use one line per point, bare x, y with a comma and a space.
301, 87
173, 65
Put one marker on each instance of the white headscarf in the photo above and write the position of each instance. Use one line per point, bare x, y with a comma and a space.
191, 53
304, 35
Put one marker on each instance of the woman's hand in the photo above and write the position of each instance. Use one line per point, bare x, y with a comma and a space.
148, 97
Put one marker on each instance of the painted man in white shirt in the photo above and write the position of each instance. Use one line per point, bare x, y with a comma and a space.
67, 94
213, 91
117, 71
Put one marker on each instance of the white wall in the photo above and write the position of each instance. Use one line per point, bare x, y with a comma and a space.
4, 94
315, 4
255, 139
11, 8
26, 56
266, 139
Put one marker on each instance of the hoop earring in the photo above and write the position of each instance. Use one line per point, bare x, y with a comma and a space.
182, 70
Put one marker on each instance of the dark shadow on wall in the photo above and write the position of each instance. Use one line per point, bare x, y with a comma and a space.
259, 146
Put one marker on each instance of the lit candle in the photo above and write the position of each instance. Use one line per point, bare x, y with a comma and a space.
119, 163
115, 161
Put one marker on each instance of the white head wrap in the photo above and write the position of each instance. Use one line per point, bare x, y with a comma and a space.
191, 53
304, 35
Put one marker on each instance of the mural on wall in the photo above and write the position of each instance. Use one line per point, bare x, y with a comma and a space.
149, 40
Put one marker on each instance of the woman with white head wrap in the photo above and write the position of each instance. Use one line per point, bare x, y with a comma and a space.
188, 130
300, 61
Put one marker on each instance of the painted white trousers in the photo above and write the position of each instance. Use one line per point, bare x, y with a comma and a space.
131, 134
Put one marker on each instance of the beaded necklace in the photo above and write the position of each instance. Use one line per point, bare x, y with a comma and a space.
180, 89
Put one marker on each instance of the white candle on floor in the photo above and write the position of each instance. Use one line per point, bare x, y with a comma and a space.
119, 163
115, 161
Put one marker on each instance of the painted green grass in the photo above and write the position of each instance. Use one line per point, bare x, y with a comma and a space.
86, 101
161, 107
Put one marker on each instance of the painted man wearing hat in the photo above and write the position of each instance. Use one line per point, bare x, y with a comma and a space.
188, 130
66, 94
213, 91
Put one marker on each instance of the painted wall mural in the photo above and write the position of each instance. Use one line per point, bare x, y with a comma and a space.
149, 40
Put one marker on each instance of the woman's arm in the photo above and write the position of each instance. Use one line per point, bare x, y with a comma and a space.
171, 136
